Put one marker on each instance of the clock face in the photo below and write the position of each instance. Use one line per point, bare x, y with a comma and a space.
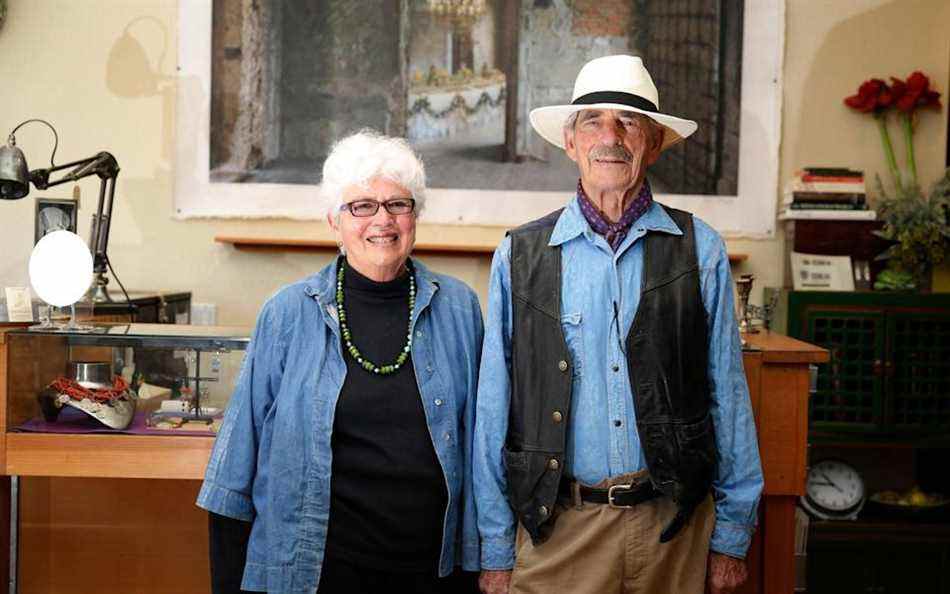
835, 486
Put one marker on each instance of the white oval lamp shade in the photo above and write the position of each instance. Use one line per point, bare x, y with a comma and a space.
60, 268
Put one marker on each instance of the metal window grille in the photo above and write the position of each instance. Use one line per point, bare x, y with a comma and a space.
693, 49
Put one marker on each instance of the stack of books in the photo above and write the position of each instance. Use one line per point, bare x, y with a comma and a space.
826, 193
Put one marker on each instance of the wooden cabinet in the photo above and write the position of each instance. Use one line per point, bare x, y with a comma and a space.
889, 368
107, 512
879, 556
882, 404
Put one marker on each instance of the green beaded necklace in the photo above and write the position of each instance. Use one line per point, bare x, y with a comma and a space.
348, 338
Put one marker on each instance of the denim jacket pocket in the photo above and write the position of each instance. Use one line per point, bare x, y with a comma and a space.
571, 325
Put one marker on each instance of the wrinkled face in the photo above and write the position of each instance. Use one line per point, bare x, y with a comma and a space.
377, 245
612, 148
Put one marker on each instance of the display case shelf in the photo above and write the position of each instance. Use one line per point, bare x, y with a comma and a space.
179, 361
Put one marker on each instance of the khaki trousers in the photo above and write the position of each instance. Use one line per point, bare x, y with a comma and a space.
598, 549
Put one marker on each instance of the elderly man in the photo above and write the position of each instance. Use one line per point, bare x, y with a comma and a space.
613, 421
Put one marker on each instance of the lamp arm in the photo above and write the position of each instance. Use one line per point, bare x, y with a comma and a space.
103, 164
101, 223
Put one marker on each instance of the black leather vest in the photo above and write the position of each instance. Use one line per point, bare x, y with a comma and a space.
667, 358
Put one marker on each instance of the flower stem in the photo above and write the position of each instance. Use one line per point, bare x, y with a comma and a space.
889, 152
909, 140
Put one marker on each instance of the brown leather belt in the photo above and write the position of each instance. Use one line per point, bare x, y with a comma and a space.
617, 496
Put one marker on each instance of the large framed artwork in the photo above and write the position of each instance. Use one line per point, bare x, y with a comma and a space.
267, 86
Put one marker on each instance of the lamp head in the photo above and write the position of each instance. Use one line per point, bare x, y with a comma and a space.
14, 174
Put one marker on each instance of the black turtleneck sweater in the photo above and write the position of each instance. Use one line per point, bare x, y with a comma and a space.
387, 490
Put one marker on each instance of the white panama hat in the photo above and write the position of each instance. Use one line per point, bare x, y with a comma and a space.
612, 82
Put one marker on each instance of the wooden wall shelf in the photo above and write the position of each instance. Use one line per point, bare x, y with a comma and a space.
279, 244
271, 244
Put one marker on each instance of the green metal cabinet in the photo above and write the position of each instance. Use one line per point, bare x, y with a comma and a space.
889, 372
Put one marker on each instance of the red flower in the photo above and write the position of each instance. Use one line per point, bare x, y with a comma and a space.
918, 94
898, 89
873, 96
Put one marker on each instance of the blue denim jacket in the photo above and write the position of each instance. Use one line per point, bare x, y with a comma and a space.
602, 439
272, 457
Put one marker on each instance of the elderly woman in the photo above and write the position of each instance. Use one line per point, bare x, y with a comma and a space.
345, 450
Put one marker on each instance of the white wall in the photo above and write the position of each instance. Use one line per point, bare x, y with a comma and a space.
67, 61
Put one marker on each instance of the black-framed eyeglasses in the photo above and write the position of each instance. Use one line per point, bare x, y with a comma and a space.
368, 208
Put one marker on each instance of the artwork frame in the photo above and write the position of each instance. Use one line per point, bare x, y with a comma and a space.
42, 221
750, 213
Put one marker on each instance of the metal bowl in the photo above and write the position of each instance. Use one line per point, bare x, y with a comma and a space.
91, 374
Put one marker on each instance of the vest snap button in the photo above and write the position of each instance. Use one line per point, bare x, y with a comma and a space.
552, 464
562, 365
557, 417
543, 511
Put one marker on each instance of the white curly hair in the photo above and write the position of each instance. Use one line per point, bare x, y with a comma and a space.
358, 158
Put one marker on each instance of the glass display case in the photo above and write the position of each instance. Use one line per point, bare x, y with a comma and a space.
135, 400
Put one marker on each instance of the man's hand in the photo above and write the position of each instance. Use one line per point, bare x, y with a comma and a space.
494, 582
723, 573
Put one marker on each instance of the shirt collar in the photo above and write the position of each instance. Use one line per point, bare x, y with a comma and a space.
572, 223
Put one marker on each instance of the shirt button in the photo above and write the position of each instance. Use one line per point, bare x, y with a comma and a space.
552, 464
418, 333
447, 437
616, 368
429, 368
438, 402
562, 365
557, 417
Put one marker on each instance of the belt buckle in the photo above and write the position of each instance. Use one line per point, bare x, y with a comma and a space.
610, 496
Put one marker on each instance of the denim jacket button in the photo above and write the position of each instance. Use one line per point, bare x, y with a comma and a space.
438, 402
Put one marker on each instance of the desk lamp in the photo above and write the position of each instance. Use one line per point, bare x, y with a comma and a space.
15, 180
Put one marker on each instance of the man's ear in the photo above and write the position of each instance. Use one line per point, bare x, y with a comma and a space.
656, 144
569, 147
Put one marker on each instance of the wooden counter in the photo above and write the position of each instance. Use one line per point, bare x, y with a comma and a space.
778, 373
92, 517
82, 495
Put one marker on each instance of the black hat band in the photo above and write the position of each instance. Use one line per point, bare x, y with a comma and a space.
618, 97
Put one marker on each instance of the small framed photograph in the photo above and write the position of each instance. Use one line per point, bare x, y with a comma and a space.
55, 214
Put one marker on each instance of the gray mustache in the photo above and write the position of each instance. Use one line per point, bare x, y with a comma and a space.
613, 153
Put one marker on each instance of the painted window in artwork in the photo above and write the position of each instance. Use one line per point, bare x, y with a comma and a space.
458, 79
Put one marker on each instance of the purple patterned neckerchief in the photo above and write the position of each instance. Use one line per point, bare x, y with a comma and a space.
614, 233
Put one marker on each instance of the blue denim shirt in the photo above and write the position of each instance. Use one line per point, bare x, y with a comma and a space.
272, 458
602, 438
